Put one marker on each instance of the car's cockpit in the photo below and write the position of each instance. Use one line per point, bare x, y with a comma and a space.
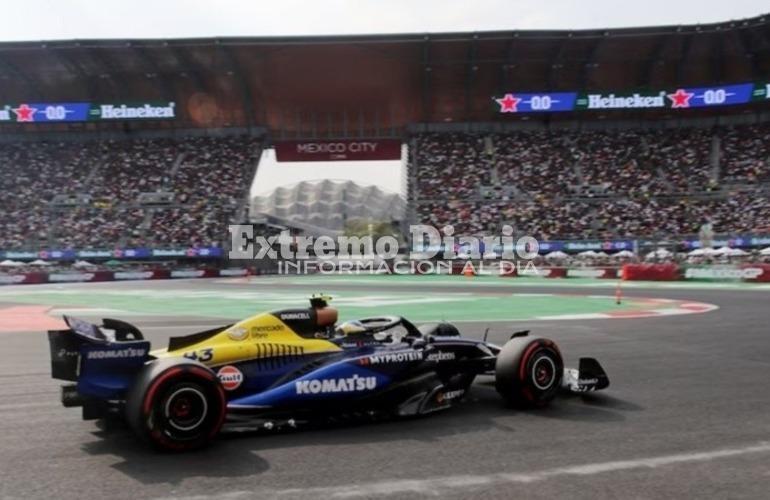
320, 321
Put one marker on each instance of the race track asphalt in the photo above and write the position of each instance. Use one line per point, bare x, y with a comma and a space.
687, 416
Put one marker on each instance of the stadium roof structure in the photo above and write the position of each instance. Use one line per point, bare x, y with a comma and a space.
372, 84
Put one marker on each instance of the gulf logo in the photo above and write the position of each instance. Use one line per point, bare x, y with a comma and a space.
230, 377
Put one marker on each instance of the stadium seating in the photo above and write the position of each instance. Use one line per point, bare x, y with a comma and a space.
596, 184
552, 185
89, 195
745, 152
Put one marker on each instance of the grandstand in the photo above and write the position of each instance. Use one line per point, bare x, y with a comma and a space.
596, 184
154, 143
111, 194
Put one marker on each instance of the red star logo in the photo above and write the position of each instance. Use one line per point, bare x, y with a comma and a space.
680, 98
24, 113
508, 103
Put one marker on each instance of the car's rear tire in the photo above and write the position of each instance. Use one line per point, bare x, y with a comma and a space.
528, 372
176, 405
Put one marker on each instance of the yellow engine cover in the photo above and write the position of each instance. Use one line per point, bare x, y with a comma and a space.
260, 336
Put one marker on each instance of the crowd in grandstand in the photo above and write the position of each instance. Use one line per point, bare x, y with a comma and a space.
91, 227
597, 184
100, 183
552, 185
452, 166
745, 153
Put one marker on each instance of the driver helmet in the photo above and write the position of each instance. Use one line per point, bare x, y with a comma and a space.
350, 327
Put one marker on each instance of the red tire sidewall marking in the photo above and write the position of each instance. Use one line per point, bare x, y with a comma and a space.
148, 397
206, 375
525, 359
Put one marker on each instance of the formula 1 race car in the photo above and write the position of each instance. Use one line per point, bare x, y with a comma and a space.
289, 366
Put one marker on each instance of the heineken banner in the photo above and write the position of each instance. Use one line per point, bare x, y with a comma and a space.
118, 253
678, 98
51, 112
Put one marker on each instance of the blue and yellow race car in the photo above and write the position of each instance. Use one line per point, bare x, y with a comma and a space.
284, 367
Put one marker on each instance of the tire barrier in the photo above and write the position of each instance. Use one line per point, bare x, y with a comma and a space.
752, 275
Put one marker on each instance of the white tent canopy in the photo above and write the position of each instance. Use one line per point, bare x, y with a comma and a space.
82, 264
660, 253
624, 254
765, 251
734, 252
558, 254
588, 253
729, 252
39, 262
703, 251
11, 263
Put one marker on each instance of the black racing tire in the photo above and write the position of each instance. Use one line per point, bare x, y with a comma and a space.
176, 405
528, 372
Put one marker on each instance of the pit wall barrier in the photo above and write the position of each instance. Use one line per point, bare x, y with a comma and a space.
552, 272
566, 272
631, 272
651, 272
605, 273
537, 272
96, 276
763, 277
671, 272
746, 272
645, 272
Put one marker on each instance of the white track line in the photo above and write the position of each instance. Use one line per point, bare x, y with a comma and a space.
57, 311
572, 317
452, 484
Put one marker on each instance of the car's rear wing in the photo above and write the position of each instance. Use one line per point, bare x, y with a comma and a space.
102, 365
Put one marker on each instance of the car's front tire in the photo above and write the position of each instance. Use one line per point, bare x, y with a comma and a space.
528, 372
176, 405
